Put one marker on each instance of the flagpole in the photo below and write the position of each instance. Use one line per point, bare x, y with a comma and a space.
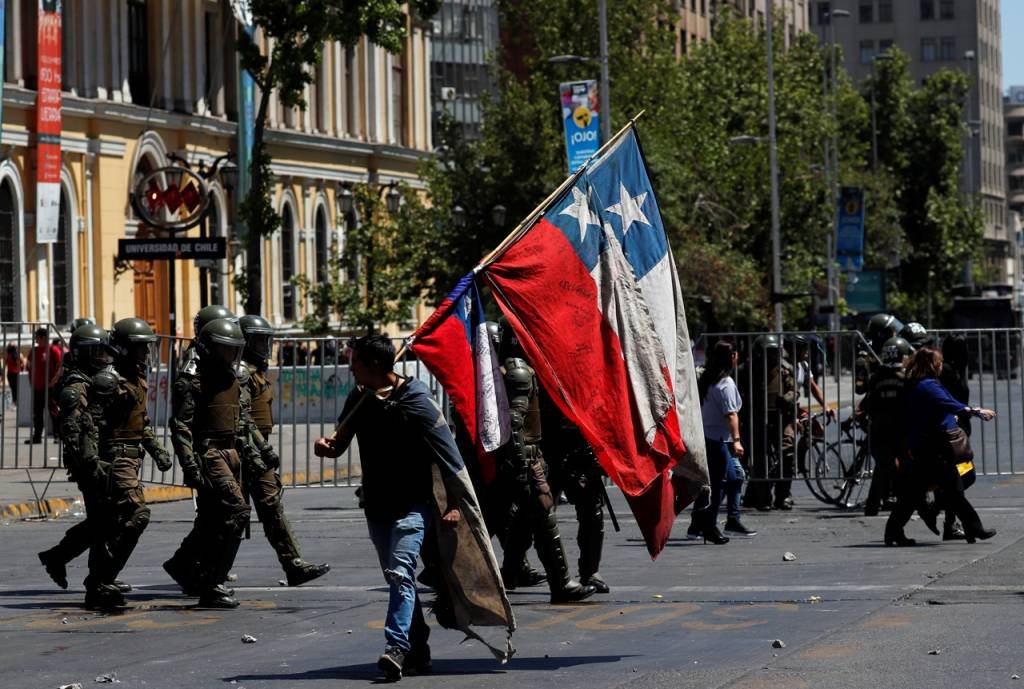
526, 224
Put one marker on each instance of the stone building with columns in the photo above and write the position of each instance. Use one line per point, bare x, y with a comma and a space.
145, 80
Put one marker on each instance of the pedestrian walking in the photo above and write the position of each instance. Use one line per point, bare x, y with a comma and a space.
44, 372
14, 364
937, 450
954, 378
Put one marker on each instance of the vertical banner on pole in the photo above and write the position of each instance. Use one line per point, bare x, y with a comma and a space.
48, 123
247, 113
581, 121
850, 228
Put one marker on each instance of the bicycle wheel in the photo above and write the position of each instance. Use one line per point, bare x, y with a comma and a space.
816, 450
842, 475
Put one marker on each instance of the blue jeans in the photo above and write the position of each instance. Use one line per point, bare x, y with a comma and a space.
726, 474
398, 541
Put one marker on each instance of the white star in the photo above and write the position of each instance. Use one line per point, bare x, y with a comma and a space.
580, 209
629, 208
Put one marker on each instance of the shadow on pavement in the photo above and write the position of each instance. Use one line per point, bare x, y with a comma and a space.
471, 666
881, 544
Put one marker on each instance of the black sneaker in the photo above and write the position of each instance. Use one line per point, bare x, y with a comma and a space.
391, 662
56, 569
953, 532
299, 571
735, 526
417, 661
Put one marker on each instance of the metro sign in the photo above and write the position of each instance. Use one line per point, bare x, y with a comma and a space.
171, 198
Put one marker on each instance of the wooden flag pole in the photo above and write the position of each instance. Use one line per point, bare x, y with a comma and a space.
527, 223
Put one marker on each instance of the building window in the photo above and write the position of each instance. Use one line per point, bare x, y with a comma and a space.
884, 10
398, 99
138, 51
927, 50
7, 248
62, 276
1012, 129
947, 48
884, 45
866, 11
287, 263
946, 9
703, 7
320, 246
927, 9
867, 52
824, 12
218, 292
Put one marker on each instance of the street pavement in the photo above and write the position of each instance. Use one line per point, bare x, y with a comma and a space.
850, 612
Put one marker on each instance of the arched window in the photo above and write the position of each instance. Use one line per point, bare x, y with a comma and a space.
63, 260
8, 246
287, 263
320, 238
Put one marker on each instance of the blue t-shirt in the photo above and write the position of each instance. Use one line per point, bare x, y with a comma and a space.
722, 398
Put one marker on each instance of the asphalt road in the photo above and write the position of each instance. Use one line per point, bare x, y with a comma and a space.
851, 612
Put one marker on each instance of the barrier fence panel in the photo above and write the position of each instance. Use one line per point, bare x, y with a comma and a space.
832, 452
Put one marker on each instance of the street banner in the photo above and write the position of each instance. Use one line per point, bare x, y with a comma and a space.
3, 49
454, 344
850, 228
581, 121
588, 284
48, 123
247, 113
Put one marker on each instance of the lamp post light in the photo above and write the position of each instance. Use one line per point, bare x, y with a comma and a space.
605, 96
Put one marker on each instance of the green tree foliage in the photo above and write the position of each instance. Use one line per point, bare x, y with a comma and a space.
376, 278
297, 30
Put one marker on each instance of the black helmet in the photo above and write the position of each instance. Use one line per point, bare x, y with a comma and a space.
509, 346
916, 334
131, 338
883, 321
79, 322
258, 335
208, 314
493, 332
221, 339
767, 342
90, 346
894, 351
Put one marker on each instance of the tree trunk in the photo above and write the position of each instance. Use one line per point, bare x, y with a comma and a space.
254, 260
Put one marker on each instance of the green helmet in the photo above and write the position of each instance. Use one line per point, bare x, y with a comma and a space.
894, 351
220, 339
767, 342
207, 314
881, 327
917, 335
259, 334
132, 338
79, 322
90, 347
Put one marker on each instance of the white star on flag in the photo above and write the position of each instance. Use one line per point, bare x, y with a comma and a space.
629, 208
580, 209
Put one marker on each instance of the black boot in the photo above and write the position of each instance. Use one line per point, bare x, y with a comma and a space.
952, 531
595, 580
548, 542
528, 576
184, 576
55, 567
976, 531
299, 571
104, 597
898, 538
712, 534
590, 539
217, 598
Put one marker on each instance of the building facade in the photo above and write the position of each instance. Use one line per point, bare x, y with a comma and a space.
147, 80
940, 34
463, 42
696, 20
1014, 113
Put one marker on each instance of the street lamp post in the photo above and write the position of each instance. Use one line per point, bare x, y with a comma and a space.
773, 165
605, 95
831, 274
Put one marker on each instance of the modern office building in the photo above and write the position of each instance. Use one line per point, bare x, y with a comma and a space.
939, 34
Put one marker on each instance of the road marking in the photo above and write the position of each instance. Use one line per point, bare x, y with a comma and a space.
599, 622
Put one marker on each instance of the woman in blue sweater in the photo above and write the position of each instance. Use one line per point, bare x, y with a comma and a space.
929, 412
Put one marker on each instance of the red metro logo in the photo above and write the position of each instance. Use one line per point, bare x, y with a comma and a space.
171, 198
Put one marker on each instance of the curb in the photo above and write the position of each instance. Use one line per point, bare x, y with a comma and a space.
55, 507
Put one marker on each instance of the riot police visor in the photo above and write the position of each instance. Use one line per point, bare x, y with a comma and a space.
229, 355
260, 345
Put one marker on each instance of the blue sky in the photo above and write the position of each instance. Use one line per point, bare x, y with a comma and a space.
1013, 46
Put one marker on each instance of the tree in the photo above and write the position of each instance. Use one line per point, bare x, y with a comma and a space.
296, 30
376, 278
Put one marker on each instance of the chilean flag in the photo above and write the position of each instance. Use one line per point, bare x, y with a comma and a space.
454, 344
590, 291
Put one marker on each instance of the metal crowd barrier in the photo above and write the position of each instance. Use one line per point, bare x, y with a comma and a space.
833, 456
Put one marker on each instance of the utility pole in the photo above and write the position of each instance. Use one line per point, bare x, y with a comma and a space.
606, 108
773, 164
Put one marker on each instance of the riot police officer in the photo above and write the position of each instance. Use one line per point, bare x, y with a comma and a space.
916, 335
883, 408
122, 433
574, 470
881, 328
523, 485
90, 353
260, 480
206, 417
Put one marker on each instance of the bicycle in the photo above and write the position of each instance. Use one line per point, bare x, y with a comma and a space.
843, 468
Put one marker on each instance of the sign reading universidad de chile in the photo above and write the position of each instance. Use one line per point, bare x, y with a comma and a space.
850, 228
581, 121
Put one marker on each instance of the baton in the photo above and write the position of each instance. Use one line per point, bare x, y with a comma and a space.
608, 504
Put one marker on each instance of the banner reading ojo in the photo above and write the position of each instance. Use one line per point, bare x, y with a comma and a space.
581, 121
48, 123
